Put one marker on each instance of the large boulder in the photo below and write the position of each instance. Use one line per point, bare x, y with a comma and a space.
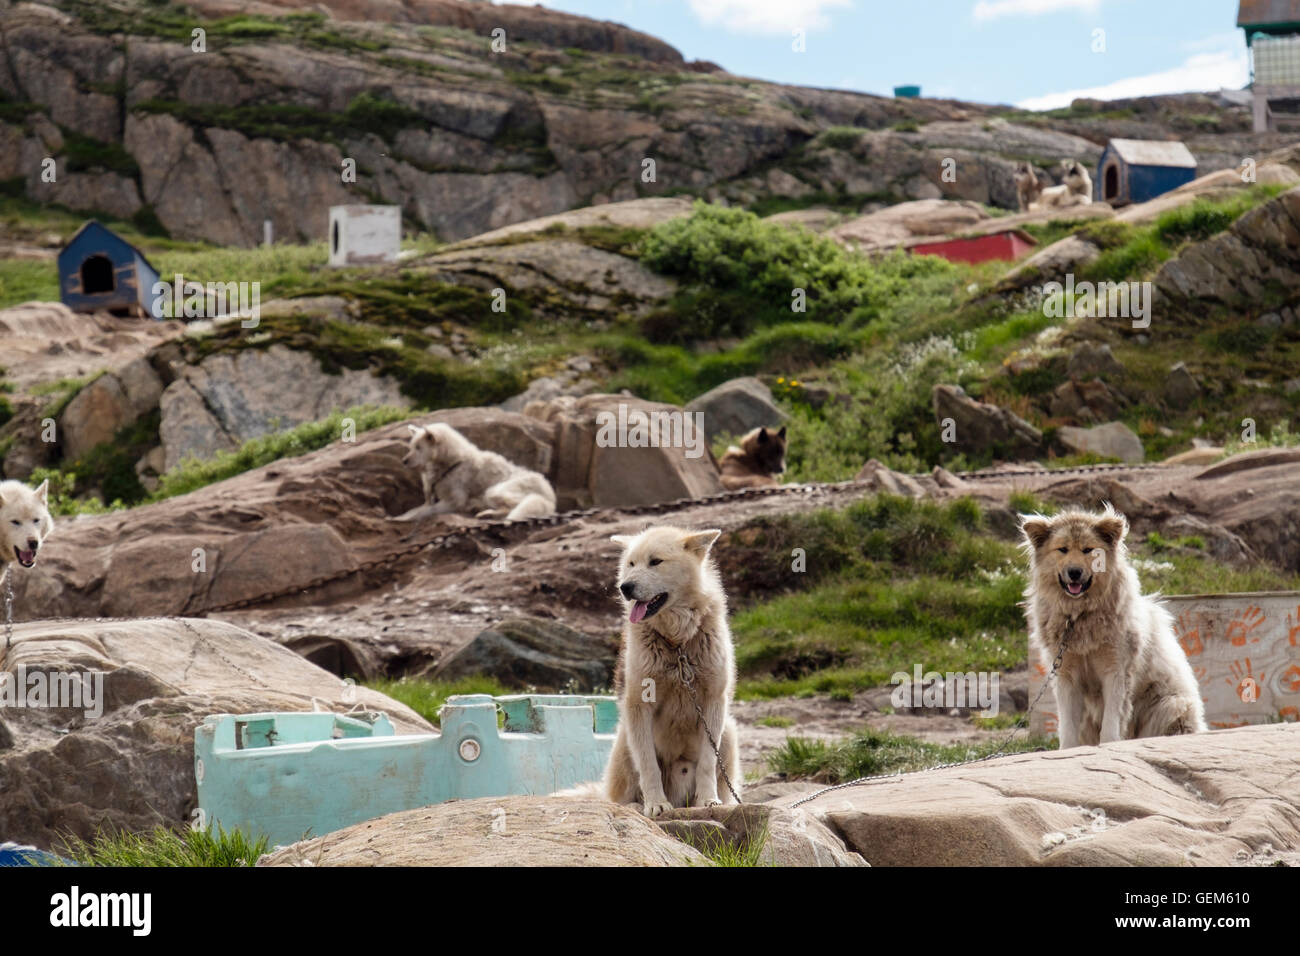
1214, 799
1255, 259
983, 428
597, 466
736, 407
1112, 440
532, 652
497, 832
318, 515
131, 767
111, 402
227, 399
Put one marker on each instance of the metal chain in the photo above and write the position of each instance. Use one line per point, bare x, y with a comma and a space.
1000, 752
686, 674
9, 608
568, 517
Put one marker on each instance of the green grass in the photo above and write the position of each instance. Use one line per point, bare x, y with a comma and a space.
891, 582
776, 720
425, 697
193, 474
871, 752
720, 851
165, 847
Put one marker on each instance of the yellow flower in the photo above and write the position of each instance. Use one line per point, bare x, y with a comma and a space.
794, 384
779, 380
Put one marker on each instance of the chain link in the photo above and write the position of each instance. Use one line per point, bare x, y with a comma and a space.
1000, 752
9, 608
812, 489
686, 674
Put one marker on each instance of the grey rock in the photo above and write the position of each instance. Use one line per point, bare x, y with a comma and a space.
1091, 359
227, 399
736, 407
984, 428
1181, 386
534, 652
1112, 440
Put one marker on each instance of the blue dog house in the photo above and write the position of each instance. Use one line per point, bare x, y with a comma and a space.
1135, 170
98, 269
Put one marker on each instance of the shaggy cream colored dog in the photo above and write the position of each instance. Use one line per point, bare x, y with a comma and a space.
1123, 674
675, 603
25, 523
1075, 189
461, 478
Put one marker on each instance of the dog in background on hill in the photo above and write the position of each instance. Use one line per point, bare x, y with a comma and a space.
758, 461
675, 605
1028, 188
1123, 674
460, 478
1075, 189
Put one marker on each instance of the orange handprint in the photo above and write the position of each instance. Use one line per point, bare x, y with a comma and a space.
1240, 627
1293, 625
1245, 682
1291, 678
1189, 634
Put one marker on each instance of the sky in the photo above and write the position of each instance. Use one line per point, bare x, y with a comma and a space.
1037, 54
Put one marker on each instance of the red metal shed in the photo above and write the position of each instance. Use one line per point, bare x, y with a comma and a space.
1008, 245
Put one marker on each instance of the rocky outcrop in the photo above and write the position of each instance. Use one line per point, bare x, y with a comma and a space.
735, 407
325, 513
131, 765
983, 428
530, 652
602, 460
1258, 256
229, 398
570, 831
108, 404
1112, 440
497, 831
1213, 799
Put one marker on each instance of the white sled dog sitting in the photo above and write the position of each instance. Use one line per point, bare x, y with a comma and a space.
461, 478
1075, 189
675, 604
1123, 674
25, 523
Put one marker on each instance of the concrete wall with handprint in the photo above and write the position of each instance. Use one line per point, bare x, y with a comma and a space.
1244, 650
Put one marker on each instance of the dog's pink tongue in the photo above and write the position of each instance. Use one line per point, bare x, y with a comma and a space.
1076, 588
638, 611
27, 557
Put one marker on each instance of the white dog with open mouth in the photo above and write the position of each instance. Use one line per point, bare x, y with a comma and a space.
25, 523
676, 607
1123, 674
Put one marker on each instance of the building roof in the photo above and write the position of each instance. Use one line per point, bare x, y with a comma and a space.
1256, 13
95, 224
1150, 152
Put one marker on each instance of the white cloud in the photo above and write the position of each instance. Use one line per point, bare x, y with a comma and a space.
992, 9
1205, 71
767, 16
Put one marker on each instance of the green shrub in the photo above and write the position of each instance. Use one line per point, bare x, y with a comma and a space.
746, 260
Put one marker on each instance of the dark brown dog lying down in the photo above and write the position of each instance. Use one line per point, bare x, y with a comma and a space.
758, 461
